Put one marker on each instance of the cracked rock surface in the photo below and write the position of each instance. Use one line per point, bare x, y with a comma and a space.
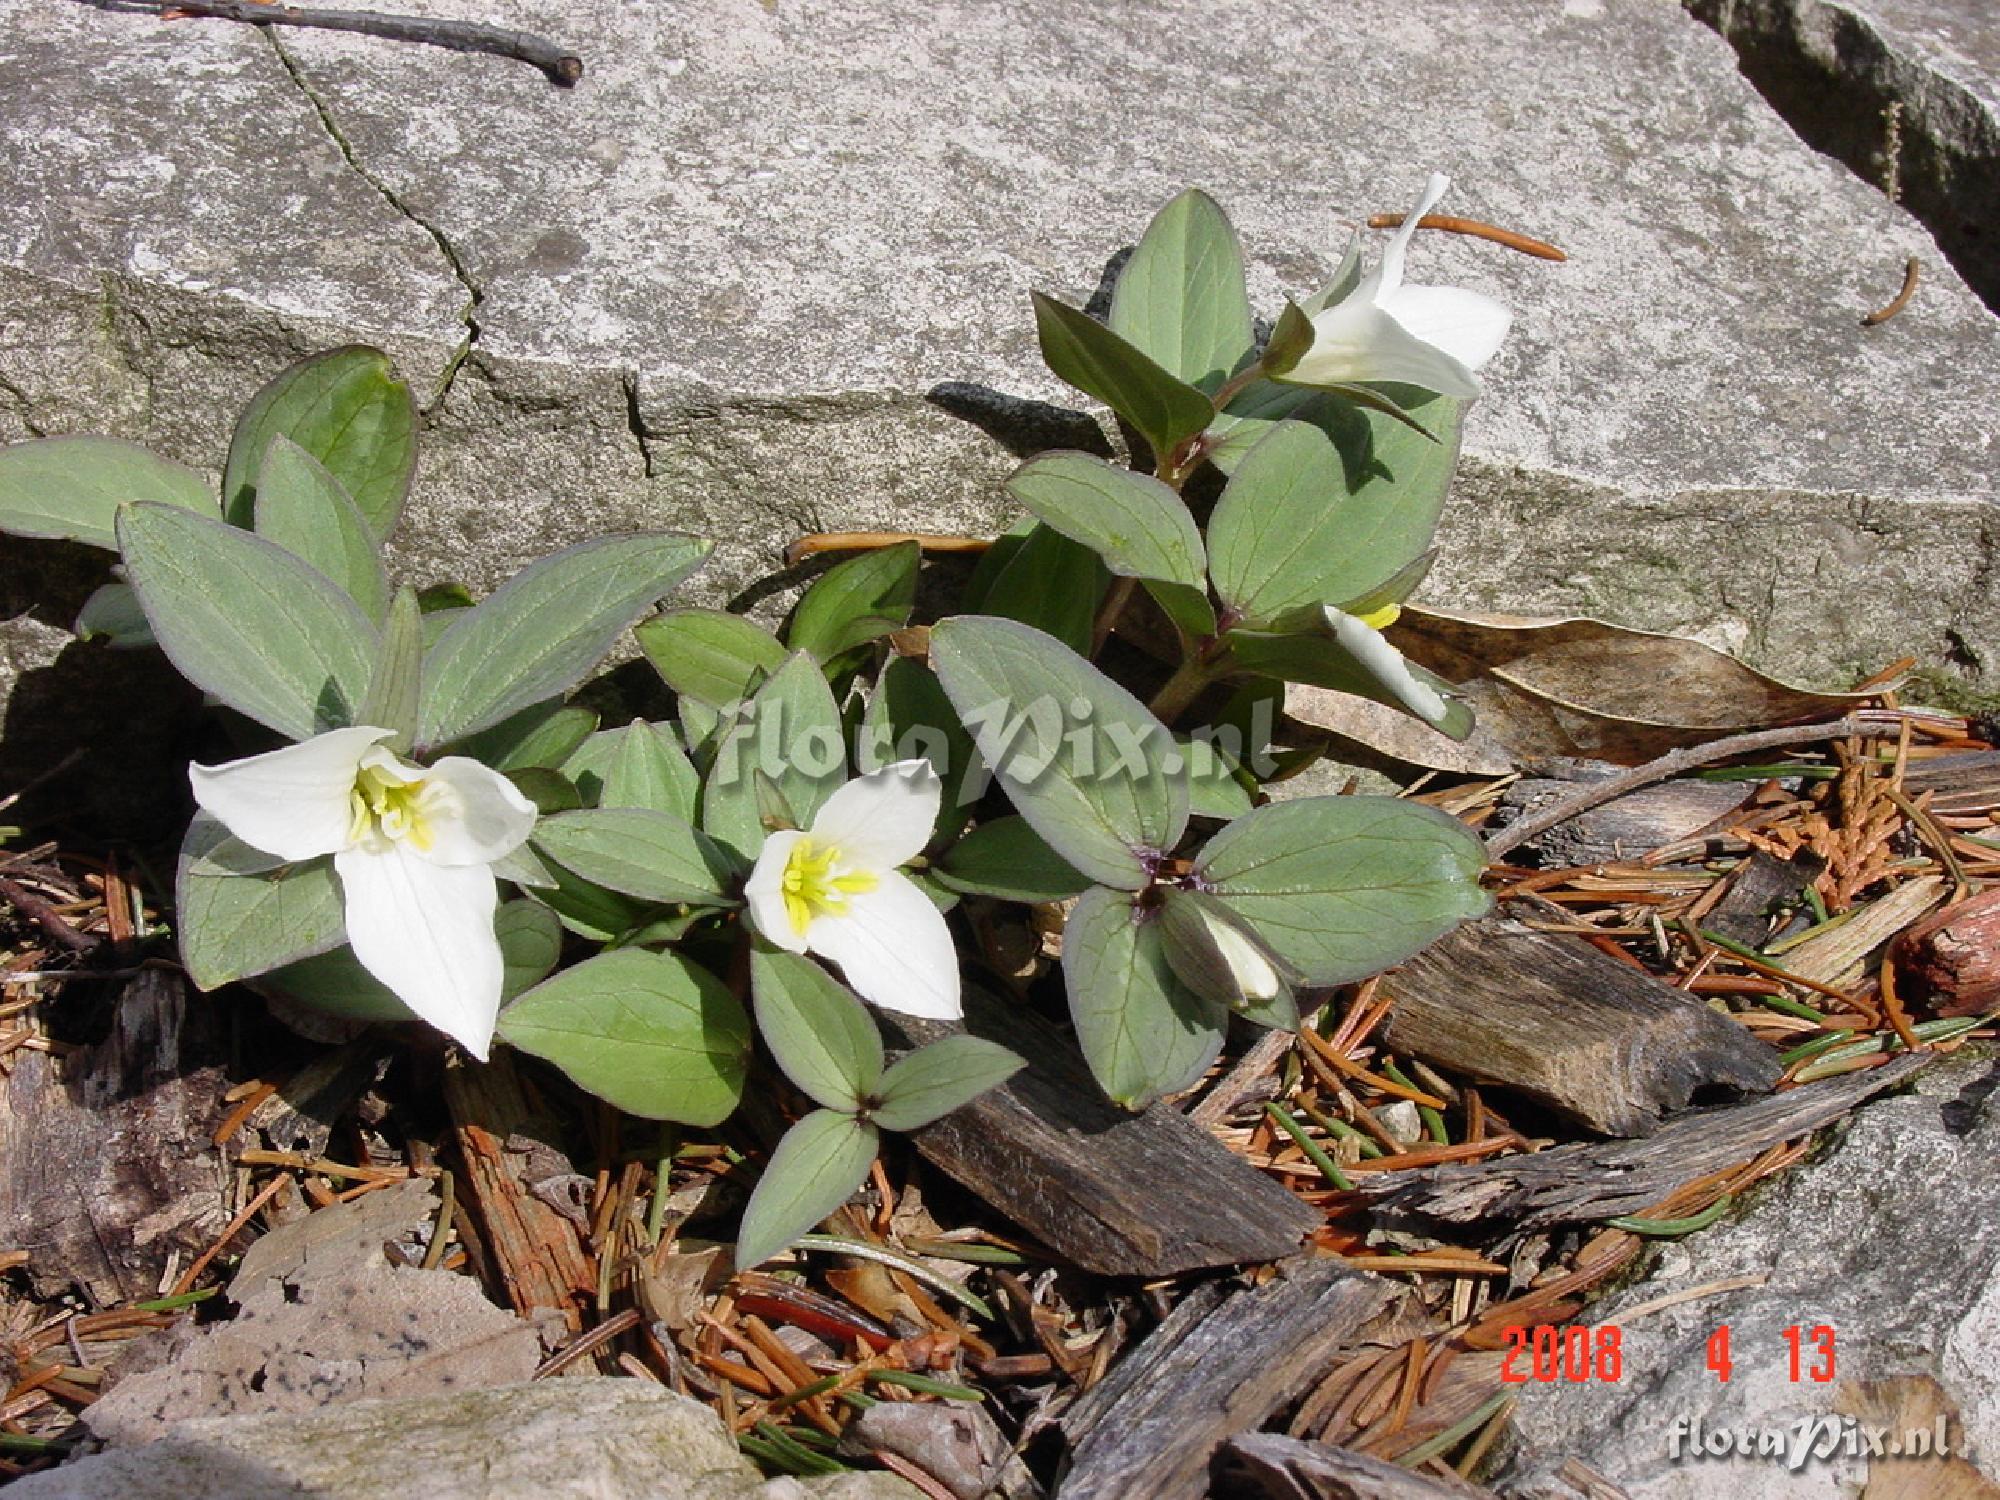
712, 287
1906, 92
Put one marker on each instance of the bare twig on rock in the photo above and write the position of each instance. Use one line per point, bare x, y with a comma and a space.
562, 67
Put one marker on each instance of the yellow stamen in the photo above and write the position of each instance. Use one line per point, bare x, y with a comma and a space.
381, 806
814, 884
1383, 618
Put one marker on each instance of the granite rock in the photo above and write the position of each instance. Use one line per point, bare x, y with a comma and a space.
716, 285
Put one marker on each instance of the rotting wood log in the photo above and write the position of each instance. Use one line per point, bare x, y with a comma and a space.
1547, 1015
534, 1248
1151, 1194
1220, 1365
1951, 959
110, 1172
1635, 824
1287, 1468
1579, 1183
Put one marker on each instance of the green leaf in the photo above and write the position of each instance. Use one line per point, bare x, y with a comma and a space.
821, 1035
1181, 299
1253, 412
710, 655
1319, 660
651, 770
815, 1168
636, 851
1098, 362
1214, 790
395, 686
856, 601
649, 1033
304, 509
1186, 606
1314, 517
347, 409
550, 791
1082, 759
244, 619
1139, 526
588, 910
1051, 583
910, 718
931, 1082
1343, 887
537, 634
240, 912
1007, 859
70, 488
789, 737
530, 942
114, 615
541, 736
1142, 1031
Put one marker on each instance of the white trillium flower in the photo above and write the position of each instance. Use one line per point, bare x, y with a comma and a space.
837, 889
414, 847
1429, 336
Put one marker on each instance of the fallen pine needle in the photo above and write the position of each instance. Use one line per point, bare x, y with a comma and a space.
1911, 269
1687, 1294
1477, 229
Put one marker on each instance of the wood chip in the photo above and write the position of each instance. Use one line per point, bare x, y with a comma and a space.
1599, 1041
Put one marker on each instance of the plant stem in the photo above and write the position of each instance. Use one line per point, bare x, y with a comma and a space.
1115, 599
1181, 689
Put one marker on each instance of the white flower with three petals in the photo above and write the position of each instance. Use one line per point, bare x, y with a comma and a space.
837, 889
413, 847
1435, 337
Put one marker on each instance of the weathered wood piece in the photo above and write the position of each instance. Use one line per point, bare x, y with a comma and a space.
1968, 783
109, 1169
1841, 956
1219, 1366
1761, 885
535, 1249
1288, 1468
302, 1114
1635, 824
1952, 957
1546, 1014
1122, 1195
1598, 1180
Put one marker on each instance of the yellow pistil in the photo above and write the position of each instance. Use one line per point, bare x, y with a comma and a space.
815, 886
385, 807
1383, 618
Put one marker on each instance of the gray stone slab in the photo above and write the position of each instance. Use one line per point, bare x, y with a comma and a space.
1888, 1239
1835, 67
584, 1439
717, 280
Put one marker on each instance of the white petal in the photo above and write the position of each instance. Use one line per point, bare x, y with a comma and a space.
1387, 276
294, 802
493, 818
1468, 326
894, 949
1252, 971
1356, 340
426, 931
1386, 663
883, 819
765, 892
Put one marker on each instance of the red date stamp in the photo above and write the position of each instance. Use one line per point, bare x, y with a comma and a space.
1577, 1354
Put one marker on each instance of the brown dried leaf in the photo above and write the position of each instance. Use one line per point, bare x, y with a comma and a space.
1582, 687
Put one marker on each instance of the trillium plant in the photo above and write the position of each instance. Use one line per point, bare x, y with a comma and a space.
854, 826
